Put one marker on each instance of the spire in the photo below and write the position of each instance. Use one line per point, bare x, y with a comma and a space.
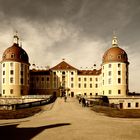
16, 38
63, 59
20, 43
114, 40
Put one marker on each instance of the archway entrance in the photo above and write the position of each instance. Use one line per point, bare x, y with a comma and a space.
72, 94
121, 105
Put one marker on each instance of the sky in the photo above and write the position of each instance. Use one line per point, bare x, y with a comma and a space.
78, 30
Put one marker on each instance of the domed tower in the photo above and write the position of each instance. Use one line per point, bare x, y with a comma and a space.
115, 71
15, 71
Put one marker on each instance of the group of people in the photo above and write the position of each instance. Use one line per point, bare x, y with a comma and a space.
83, 101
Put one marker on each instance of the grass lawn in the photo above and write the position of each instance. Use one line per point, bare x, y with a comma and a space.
18, 114
118, 113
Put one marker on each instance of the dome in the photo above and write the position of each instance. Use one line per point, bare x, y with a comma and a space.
15, 53
115, 54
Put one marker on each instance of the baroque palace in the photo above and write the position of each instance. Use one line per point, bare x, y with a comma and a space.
63, 79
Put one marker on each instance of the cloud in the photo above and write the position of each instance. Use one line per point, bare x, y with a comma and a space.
78, 30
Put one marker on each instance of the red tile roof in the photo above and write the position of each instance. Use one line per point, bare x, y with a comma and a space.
89, 72
63, 66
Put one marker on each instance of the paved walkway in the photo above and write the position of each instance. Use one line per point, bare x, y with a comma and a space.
69, 121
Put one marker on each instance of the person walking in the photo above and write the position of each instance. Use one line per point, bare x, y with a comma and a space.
83, 102
65, 98
86, 103
80, 100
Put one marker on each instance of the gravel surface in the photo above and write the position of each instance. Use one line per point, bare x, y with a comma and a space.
69, 121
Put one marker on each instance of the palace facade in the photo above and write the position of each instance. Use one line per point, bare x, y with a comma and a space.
112, 79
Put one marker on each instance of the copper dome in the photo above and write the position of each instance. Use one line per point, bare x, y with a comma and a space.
15, 53
115, 54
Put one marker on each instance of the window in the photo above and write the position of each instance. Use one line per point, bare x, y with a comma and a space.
119, 56
12, 55
96, 94
103, 92
21, 80
137, 104
103, 74
43, 78
103, 82
3, 72
54, 73
109, 81
11, 91
109, 65
3, 80
109, 92
85, 85
119, 80
96, 85
96, 79
119, 72
119, 65
85, 79
90, 85
37, 79
72, 73
3, 91
119, 91
11, 64
85, 94
90, 79
90, 94
129, 104
11, 80
11, 72
48, 78
63, 73
79, 85
79, 79
109, 73
71, 78
71, 85
63, 76
4, 65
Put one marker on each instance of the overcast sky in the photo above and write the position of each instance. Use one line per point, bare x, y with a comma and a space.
78, 30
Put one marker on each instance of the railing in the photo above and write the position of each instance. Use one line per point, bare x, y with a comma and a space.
26, 102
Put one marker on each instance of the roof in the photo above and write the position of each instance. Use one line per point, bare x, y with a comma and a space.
63, 66
15, 53
39, 72
115, 54
89, 72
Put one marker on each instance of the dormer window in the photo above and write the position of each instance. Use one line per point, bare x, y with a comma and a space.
4, 56
12, 55
119, 56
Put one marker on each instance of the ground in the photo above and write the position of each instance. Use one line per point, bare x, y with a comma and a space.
69, 121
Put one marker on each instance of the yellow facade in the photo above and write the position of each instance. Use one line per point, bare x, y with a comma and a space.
15, 80
115, 79
110, 80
